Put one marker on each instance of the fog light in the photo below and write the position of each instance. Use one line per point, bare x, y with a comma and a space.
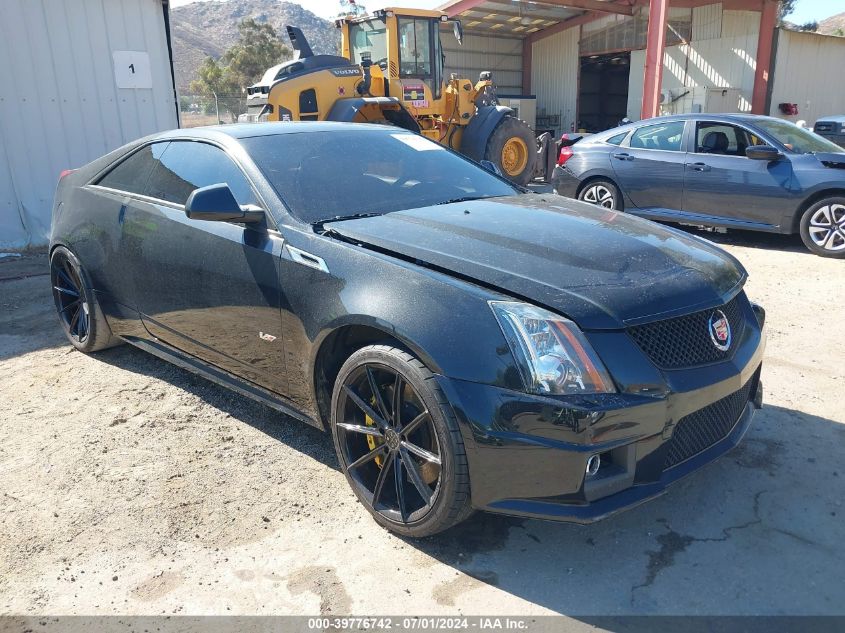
593, 465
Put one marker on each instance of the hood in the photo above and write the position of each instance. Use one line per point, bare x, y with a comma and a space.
603, 269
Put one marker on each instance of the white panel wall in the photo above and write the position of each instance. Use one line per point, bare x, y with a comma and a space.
59, 104
802, 75
554, 78
720, 62
502, 56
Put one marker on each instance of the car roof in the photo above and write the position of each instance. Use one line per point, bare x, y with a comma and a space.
838, 118
250, 130
670, 118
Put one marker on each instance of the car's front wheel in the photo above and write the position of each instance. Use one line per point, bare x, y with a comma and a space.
79, 313
823, 227
602, 193
398, 442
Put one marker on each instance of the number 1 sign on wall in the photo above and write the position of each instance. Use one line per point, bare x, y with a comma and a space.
132, 69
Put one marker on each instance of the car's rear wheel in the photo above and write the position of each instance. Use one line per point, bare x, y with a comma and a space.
602, 193
823, 227
79, 313
398, 442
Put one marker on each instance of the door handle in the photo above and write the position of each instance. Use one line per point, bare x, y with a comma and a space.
699, 166
623, 156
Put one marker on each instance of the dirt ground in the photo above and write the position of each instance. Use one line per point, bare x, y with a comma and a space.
130, 486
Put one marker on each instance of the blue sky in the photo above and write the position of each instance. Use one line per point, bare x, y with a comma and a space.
815, 10
805, 11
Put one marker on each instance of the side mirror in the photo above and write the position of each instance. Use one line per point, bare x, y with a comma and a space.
763, 152
491, 167
216, 203
458, 30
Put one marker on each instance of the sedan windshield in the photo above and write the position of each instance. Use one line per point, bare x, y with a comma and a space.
323, 176
796, 139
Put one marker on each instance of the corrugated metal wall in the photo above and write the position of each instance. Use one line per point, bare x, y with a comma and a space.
722, 54
60, 106
808, 72
554, 77
501, 55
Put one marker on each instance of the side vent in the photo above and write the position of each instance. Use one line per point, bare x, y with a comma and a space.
306, 259
308, 105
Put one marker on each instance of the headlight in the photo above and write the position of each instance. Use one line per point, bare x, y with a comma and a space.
553, 355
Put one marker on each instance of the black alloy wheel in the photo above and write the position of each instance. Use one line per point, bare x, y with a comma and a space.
69, 295
79, 313
401, 454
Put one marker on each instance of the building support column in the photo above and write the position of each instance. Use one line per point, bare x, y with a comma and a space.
657, 13
762, 75
527, 51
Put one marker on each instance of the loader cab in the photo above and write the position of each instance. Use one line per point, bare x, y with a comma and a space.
406, 45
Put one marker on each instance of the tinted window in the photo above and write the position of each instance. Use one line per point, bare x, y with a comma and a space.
665, 136
131, 174
324, 175
616, 140
188, 165
724, 139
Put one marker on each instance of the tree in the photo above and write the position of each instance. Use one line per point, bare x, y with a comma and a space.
351, 8
809, 26
786, 8
213, 79
258, 49
241, 65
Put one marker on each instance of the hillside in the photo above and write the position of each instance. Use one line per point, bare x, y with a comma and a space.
834, 25
203, 29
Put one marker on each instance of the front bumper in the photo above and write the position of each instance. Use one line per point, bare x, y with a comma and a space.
528, 454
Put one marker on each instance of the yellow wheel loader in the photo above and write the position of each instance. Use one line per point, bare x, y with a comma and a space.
392, 72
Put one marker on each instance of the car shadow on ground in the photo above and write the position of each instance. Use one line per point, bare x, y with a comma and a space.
758, 531
751, 239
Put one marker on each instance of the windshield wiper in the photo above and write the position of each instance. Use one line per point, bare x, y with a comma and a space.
464, 199
354, 216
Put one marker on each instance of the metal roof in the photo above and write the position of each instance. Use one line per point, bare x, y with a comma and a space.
520, 19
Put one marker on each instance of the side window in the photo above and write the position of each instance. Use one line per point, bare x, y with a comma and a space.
414, 49
131, 174
665, 136
189, 165
723, 139
616, 140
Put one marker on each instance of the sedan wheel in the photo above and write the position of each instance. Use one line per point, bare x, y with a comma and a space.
601, 193
80, 315
823, 228
402, 456
68, 293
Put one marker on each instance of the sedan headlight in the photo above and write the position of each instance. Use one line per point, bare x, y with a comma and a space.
553, 355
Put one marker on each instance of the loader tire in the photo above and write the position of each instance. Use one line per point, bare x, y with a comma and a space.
513, 148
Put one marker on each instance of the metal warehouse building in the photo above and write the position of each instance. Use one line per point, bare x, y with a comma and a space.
78, 78
586, 64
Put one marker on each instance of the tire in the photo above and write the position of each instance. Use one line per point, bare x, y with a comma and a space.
513, 148
602, 193
82, 319
823, 227
370, 442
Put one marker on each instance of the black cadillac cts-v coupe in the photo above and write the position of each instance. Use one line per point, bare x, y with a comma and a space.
468, 345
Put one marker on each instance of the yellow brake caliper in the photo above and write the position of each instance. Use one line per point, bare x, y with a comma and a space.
371, 439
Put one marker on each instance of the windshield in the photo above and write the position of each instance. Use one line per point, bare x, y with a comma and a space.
368, 37
794, 138
324, 175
